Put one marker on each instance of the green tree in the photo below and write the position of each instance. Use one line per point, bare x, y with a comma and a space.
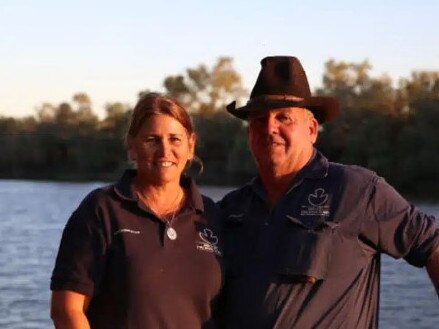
116, 121
83, 110
366, 103
417, 148
206, 90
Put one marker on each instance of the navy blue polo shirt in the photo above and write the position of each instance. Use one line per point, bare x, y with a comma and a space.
116, 250
329, 228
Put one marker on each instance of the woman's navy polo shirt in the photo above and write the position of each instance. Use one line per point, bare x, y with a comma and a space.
116, 250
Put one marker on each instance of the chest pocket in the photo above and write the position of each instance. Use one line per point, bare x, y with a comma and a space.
240, 239
304, 248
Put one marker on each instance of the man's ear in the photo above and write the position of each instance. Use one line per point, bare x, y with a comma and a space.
313, 129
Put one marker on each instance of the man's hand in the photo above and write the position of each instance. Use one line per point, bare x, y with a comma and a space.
433, 269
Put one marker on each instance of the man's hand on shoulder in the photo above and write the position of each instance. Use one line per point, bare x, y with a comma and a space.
433, 269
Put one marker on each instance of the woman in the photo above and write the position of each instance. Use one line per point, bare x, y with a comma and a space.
144, 252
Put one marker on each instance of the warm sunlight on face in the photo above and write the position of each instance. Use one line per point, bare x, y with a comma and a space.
282, 140
161, 149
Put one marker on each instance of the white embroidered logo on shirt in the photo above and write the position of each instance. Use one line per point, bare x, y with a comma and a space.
318, 198
317, 204
209, 242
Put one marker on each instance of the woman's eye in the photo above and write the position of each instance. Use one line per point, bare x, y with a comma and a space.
175, 139
150, 139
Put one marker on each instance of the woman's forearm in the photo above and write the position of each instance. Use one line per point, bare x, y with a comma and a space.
70, 320
68, 309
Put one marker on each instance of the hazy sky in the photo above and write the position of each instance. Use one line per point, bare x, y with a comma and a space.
50, 50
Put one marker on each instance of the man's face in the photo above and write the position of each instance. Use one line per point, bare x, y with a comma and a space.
281, 140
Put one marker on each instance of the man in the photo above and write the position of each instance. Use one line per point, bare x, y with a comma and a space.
303, 239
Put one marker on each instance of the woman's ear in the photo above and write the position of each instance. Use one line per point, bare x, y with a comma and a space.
192, 141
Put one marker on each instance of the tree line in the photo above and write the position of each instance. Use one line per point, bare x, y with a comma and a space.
387, 126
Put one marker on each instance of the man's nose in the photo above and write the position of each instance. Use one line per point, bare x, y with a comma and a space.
271, 124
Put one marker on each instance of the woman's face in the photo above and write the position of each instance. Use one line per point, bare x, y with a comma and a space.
161, 149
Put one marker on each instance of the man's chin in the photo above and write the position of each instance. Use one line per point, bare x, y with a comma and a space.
269, 164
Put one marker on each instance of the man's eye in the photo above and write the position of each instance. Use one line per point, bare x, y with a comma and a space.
284, 118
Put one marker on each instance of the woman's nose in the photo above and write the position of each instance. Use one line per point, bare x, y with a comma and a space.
163, 147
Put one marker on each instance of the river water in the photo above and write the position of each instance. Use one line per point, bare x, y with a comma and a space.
33, 214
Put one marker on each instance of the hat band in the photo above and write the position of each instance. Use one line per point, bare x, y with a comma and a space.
278, 98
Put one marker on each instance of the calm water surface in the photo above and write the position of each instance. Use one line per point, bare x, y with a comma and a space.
33, 214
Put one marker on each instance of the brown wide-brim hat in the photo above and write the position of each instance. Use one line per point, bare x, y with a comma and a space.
282, 83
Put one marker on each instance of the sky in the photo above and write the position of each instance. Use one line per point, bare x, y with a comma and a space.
111, 50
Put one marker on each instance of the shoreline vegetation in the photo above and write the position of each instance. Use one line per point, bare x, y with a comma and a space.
391, 130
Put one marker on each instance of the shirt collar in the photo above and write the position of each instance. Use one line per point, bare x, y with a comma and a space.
124, 188
316, 168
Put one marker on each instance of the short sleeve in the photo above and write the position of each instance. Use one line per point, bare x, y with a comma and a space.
81, 255
402, 230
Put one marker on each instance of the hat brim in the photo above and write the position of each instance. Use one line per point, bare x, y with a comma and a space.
324, 108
